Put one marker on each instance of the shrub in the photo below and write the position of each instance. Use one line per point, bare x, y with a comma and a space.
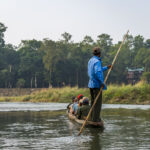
20, 83
146, 77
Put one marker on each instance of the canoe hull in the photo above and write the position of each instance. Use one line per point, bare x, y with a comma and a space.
89, 123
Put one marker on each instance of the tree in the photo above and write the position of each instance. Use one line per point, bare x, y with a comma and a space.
30, 65
147, 43
20, 83
2, 30
142, 59
49, 49
9, 61
64, 62
104, 41
66, 37
87, 40
138, 42
5, 78
146, 77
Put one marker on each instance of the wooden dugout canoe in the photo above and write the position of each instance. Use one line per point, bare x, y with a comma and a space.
89, 123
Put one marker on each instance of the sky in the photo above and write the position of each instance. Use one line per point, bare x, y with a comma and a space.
39, 19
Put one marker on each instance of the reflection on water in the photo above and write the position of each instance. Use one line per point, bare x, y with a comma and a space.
124, 129
5, 106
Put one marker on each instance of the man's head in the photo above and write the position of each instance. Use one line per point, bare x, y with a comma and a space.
97, 51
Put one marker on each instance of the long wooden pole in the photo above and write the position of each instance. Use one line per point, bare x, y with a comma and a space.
81, 129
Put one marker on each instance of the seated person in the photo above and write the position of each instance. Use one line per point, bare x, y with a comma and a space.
83, 111
75, 106
80, 102
69, 107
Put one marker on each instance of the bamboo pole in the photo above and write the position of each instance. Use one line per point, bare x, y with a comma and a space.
113, 62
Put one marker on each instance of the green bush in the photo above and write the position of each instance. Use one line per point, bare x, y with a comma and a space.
146, 77
20, 83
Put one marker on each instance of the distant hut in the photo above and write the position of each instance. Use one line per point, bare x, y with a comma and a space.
133, 75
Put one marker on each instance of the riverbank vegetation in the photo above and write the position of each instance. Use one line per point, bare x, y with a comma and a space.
123, 94
49, 63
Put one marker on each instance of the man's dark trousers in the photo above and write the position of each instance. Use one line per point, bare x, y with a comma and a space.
95, 115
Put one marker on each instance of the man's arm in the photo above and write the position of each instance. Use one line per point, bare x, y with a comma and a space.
105, 68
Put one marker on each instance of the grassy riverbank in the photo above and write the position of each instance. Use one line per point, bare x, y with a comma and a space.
128, 94
116, 94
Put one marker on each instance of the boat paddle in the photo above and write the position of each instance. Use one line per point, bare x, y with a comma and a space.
85, 121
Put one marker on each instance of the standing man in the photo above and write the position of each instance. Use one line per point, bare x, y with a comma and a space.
96, 81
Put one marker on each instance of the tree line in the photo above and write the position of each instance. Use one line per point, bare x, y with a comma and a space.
49, 63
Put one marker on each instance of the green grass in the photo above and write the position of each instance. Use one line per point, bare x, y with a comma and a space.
128, 94
115, 94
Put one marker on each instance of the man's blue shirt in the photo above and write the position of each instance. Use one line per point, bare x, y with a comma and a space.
95, 72
75, 107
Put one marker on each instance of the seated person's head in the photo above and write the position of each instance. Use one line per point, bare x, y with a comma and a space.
85, 101
80, 102
80, 96
73, 99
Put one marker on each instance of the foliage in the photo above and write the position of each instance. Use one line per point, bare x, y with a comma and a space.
2, 30
146, 77
125, 94
20, 83
49, 63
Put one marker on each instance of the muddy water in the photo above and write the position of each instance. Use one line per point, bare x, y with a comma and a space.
45, 126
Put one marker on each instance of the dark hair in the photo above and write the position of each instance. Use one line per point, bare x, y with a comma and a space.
73, 98
86, 101
80, 96
96, 50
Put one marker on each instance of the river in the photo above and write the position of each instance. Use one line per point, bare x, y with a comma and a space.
43, 126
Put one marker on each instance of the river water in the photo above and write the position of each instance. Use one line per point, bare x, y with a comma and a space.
43, 126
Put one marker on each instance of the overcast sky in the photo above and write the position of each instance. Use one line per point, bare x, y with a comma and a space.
38, 19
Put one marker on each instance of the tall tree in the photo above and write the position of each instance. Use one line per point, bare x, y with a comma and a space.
2, 30
30, 66
50, 53
104, 41
147, 43
66, 37
138, 42
87, 40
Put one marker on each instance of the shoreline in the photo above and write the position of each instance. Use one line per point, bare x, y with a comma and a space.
115, 94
